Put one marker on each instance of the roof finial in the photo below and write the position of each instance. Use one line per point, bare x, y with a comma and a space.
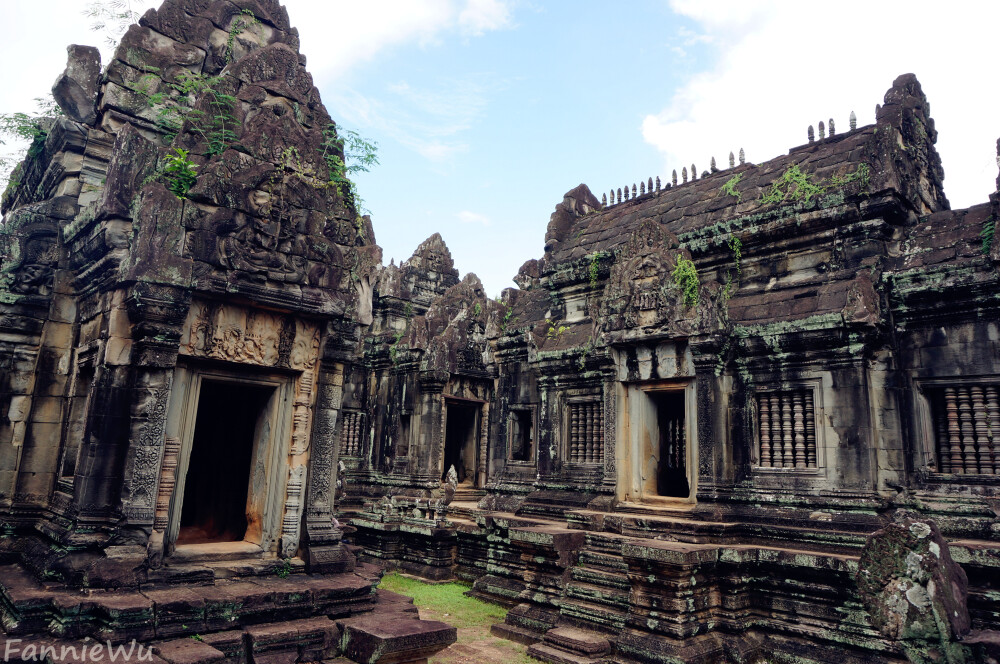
833, 128
673, 178
633, 190
642, 188
684, 173
626, 192
732, 159
657, 183
743, 157
694, 173
619, 195
604, 200
712, 167
649, 186
854, 121
822, 130
811, 133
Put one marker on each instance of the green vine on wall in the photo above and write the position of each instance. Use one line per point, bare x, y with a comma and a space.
797, 185
736, 246
685, 276
593, 271
989, 230
729, 188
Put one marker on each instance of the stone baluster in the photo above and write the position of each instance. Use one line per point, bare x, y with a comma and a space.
983, 458
954, 430
833, 128
764, 406
673, 178
743, 157
574, 438
993, 419
853, 121
787, 435
811, 133
799, 433
592, 434
684, 173
822, 130
968, 432
777, 450
941, 433
732, 159
810, 418
600, 431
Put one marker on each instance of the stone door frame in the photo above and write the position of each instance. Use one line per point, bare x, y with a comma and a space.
269, 464
636, 400
478, 430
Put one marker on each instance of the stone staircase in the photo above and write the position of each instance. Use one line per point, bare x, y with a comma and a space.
295, 617
597, 594
568, 645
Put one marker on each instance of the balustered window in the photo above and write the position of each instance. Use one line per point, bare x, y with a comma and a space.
586, 432
967, 428
786, 426
351, 433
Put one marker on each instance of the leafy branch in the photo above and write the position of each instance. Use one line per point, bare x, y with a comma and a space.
685, 276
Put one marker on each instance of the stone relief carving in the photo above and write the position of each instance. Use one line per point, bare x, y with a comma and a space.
147, 453
254, 244
226, 332
293, 511
168, 480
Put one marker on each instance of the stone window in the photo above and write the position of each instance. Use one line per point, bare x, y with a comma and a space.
966, 428
586, 432
786, 426
521, 435
351, 428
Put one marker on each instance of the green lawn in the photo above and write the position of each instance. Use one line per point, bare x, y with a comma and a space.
445, 600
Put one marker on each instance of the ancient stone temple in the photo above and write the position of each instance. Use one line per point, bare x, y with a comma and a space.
748, 415
184, 282
715, 420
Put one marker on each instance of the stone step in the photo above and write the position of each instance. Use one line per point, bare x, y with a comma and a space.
579, 641
169, 611
553, 655
609, 597
592, 613
601, 577
515, 633
599, 560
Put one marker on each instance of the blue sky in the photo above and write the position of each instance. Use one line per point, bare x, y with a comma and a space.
487, 111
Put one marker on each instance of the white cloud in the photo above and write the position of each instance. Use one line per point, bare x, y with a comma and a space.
341, 35
479, 16
429, 121
783, 65
467, 217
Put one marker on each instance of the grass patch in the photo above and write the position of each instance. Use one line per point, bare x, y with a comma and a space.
446, 600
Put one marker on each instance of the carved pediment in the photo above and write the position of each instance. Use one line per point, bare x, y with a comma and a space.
641, 296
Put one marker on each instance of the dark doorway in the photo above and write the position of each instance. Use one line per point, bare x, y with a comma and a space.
460, 441
671, 472
218, 475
